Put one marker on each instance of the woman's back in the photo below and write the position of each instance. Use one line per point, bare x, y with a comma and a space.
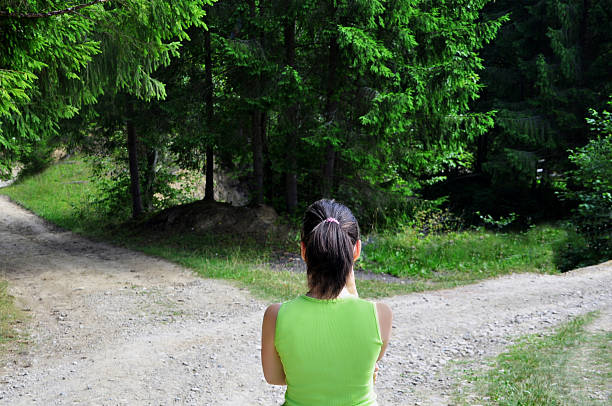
328, 349
324, 345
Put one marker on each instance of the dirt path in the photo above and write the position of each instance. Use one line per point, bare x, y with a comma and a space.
113, 327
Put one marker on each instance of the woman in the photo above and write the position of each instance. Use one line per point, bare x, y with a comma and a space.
324, 345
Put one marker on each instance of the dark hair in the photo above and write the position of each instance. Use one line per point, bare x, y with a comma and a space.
329, 246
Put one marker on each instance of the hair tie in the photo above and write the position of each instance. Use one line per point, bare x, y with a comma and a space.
331, 220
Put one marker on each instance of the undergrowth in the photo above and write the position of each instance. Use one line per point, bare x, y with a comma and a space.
64, 195
473, 254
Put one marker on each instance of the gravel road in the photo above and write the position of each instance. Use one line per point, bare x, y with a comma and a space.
109, 326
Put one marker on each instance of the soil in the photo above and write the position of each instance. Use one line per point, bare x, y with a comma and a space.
109, 326
209, 217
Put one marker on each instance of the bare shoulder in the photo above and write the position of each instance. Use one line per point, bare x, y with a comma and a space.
384, 311
272, 311
268, 327
270, 360
385, 319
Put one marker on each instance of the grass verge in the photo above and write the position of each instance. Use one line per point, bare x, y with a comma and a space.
249, 264
468, 255
60, 194
10, 316
571, 366
63, 194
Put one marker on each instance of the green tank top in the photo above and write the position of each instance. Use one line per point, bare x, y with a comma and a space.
328, 349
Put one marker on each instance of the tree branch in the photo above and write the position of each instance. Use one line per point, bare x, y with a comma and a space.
72, 9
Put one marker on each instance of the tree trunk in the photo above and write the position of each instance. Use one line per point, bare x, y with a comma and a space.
257, 120
152, 156
584, 43
209, 188
290, 120
209, 191
257, 147
328, 172
330, 112
133, 159
481, 152
268, 172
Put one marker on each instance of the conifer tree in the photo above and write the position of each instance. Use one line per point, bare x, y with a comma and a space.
74, 54
44, 49
547, 66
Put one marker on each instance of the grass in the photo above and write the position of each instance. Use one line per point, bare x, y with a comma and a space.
10, 316
63, 195
467, 255
571, 366
246, 263
60, 194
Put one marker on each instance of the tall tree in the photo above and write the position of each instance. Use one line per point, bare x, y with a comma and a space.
549, 64
44, 48
310, 98
137, 50
107, 46
208, 84
290, 112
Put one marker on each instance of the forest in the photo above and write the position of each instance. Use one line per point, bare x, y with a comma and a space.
460, 112
157, 157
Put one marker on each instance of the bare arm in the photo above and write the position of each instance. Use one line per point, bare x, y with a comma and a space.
385, 319
270, 361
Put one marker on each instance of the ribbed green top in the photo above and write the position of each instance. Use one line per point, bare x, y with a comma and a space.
328, 349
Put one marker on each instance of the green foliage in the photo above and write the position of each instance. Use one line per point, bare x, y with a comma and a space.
61, 194
111, 179
38, 158
572, 252
590, 184
390, 114
544, 69
500, 223
594, 174
430, 217
53, 65
466, 255
369, 102
377, 92
417, 122
40, 63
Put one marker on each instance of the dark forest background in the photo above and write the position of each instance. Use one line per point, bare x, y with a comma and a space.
471, 111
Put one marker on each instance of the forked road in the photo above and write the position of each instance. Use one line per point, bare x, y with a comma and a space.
110, 327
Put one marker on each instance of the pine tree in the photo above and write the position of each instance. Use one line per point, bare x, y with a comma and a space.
44, 49
71, 58
544, 70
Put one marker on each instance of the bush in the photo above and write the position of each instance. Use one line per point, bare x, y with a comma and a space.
572, 252
591, 187
111, 179
376, 208
430, 217
38, 158
168, 186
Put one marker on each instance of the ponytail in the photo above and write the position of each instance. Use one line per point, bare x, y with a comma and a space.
329, 233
